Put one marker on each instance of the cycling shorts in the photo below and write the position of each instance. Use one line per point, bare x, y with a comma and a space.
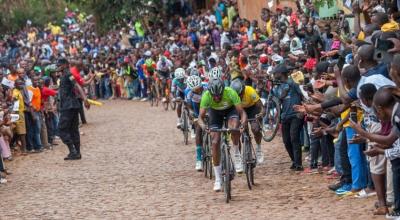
216, 117
252, 111
180, 94
164, 75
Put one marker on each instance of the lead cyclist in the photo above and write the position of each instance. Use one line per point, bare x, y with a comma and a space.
222, 102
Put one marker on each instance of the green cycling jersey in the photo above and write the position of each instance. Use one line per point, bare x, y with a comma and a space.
229, 98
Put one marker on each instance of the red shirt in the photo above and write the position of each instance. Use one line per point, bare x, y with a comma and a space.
76, 73
46, 93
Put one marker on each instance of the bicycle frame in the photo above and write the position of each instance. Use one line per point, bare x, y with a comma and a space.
227, 165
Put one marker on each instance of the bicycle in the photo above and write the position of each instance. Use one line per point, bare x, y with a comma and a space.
153, 97
207, 156
227, 166
272, 106
167, 93
249, 158
185, 121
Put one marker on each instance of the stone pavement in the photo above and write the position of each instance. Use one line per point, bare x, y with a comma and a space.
135, 166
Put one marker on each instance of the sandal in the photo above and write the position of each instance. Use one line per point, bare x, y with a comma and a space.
364, 194
381, 211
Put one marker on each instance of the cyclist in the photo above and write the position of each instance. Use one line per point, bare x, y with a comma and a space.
222, 102
215, 72
178, 91
149, 68
164, 68
193, 93
253, 107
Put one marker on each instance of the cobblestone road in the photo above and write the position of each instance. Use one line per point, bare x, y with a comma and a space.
135, 166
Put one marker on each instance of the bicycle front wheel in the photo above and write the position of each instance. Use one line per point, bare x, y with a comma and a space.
207, 160
270, 122
185, 127
227, 172
248, 162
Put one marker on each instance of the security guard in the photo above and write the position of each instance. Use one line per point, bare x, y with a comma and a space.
68, 106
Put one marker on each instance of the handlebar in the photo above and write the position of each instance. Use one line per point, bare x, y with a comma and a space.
224, 130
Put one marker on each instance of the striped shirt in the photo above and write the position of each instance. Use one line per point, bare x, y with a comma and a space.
394, 152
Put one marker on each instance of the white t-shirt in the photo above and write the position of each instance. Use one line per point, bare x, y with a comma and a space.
211, 18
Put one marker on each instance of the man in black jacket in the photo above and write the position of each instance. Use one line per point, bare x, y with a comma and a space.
68, 106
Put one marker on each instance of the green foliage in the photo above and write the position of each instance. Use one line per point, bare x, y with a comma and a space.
108, 13
321, 3
112, 13
40, 12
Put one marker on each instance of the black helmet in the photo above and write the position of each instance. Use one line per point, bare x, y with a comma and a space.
216, 86
237, 85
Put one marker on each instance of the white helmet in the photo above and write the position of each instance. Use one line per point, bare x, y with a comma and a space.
215, 73
147, 53
180, 73
193, 81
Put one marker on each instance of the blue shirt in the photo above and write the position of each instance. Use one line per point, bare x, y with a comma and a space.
139, 64
194, 99
218, 15
293, 97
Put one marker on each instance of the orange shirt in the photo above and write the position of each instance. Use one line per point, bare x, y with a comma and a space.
36, 98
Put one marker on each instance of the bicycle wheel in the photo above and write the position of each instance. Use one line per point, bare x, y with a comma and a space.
185, 127
205, 158
248, 160
156, 98
166, 103
226, 172
151, 98
270, 122
209, 155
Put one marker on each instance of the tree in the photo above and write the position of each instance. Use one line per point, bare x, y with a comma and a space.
112, 13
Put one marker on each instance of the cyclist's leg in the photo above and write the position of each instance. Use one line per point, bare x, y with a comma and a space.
215, 121
163, 87
157, 86
233, 122
179, 106
199, 140
252, 112
148, 85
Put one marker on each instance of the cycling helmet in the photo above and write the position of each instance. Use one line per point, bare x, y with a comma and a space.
215, 73
194, 72
216, 86
147, 53
180, 73
193, 81
238, 86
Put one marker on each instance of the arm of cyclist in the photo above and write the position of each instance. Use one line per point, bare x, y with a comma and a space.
242, 114
259, 105
202, 115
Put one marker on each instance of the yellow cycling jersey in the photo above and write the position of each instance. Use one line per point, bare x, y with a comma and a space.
250, 97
